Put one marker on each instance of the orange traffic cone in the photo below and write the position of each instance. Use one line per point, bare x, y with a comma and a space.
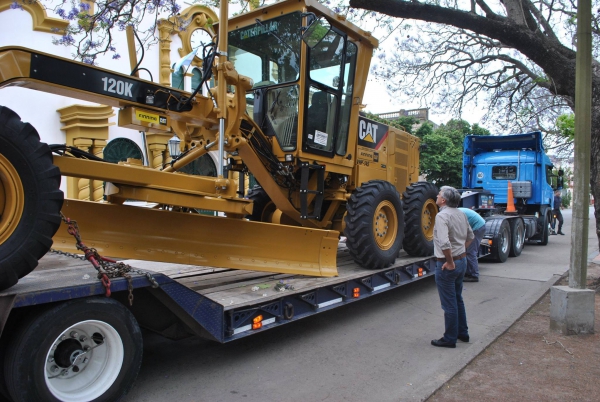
510, 202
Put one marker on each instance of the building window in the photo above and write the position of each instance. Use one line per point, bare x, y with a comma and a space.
119, 149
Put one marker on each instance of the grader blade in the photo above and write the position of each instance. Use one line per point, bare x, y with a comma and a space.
128, 232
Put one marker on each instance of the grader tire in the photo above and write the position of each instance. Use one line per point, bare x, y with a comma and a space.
263, 206
374, 224
420, 210
30, 198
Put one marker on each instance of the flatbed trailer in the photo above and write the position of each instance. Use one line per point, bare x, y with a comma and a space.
221, 301
214, 303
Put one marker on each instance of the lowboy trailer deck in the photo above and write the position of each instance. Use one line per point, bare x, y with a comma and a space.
214, 303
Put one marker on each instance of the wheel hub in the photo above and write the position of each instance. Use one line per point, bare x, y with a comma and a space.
11, 199
428, 214
71, 353
385, 225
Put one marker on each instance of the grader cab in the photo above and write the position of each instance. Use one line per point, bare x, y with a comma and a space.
290, 80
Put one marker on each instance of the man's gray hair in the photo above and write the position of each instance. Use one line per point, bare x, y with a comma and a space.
451, 195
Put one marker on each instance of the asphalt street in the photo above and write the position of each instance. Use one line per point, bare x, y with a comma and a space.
377, 349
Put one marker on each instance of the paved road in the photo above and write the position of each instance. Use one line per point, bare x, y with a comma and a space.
374, 350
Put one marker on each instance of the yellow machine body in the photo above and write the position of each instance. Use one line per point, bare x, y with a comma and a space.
270, 94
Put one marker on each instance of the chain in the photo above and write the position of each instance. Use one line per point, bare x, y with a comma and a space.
107, 268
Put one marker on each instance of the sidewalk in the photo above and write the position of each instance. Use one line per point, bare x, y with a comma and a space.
530, 363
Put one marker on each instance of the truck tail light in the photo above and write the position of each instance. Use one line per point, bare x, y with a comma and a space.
257, 322
356, 292
420, 271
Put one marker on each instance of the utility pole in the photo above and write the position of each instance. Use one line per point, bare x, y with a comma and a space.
572, 307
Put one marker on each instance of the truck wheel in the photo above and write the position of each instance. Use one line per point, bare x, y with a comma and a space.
517, 230
374, 224
80, 350
263, 206
420, 210
501, 242
545, 229
30, 198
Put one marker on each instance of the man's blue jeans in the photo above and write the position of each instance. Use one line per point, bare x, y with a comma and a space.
450, 285
472, 251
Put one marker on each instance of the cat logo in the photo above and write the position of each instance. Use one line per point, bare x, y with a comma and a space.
162, 120
367, 131
371, 134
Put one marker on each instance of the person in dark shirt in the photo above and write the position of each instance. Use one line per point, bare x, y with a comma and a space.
556, 211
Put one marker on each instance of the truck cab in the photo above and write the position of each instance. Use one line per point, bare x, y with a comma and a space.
490, 162
507, 180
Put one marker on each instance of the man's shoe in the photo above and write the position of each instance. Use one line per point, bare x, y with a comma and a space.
442, 343
464, 338
561, 233
470, 279
552, 232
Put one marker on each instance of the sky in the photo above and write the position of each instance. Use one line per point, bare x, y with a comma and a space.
379, 101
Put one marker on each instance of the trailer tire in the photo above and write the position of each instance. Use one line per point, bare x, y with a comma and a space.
30, 198
46, 343
517, 232
420, 210
374, 224
501, 242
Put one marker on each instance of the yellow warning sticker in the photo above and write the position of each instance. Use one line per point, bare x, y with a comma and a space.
147, 117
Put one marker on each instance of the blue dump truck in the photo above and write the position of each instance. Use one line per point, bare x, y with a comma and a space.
508, 180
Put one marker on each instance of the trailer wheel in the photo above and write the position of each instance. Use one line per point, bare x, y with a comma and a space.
420, 210
263, 206
517, 231
501, 242
81, 350
30, 198
374, 224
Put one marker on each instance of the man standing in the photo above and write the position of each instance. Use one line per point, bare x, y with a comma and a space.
477, 224
556, 211
451, 235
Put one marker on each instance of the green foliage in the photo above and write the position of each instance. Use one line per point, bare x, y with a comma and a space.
425, 129
566, 199
403, 123
566, 125
441, 160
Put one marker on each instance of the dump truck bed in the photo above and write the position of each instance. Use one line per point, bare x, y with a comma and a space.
222, 301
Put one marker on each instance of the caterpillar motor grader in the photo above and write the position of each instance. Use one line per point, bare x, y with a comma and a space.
289, 83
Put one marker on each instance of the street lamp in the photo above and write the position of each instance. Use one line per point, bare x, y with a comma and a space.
174, 146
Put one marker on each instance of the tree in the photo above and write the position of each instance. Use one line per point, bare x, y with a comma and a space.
518, 53
441, 160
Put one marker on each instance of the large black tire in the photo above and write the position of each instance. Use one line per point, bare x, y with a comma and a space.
30, 198
517, 231
420, 209
545, 222
501, 241
374, 224
54, 342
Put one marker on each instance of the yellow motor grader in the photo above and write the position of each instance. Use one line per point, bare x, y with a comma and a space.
289, 84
